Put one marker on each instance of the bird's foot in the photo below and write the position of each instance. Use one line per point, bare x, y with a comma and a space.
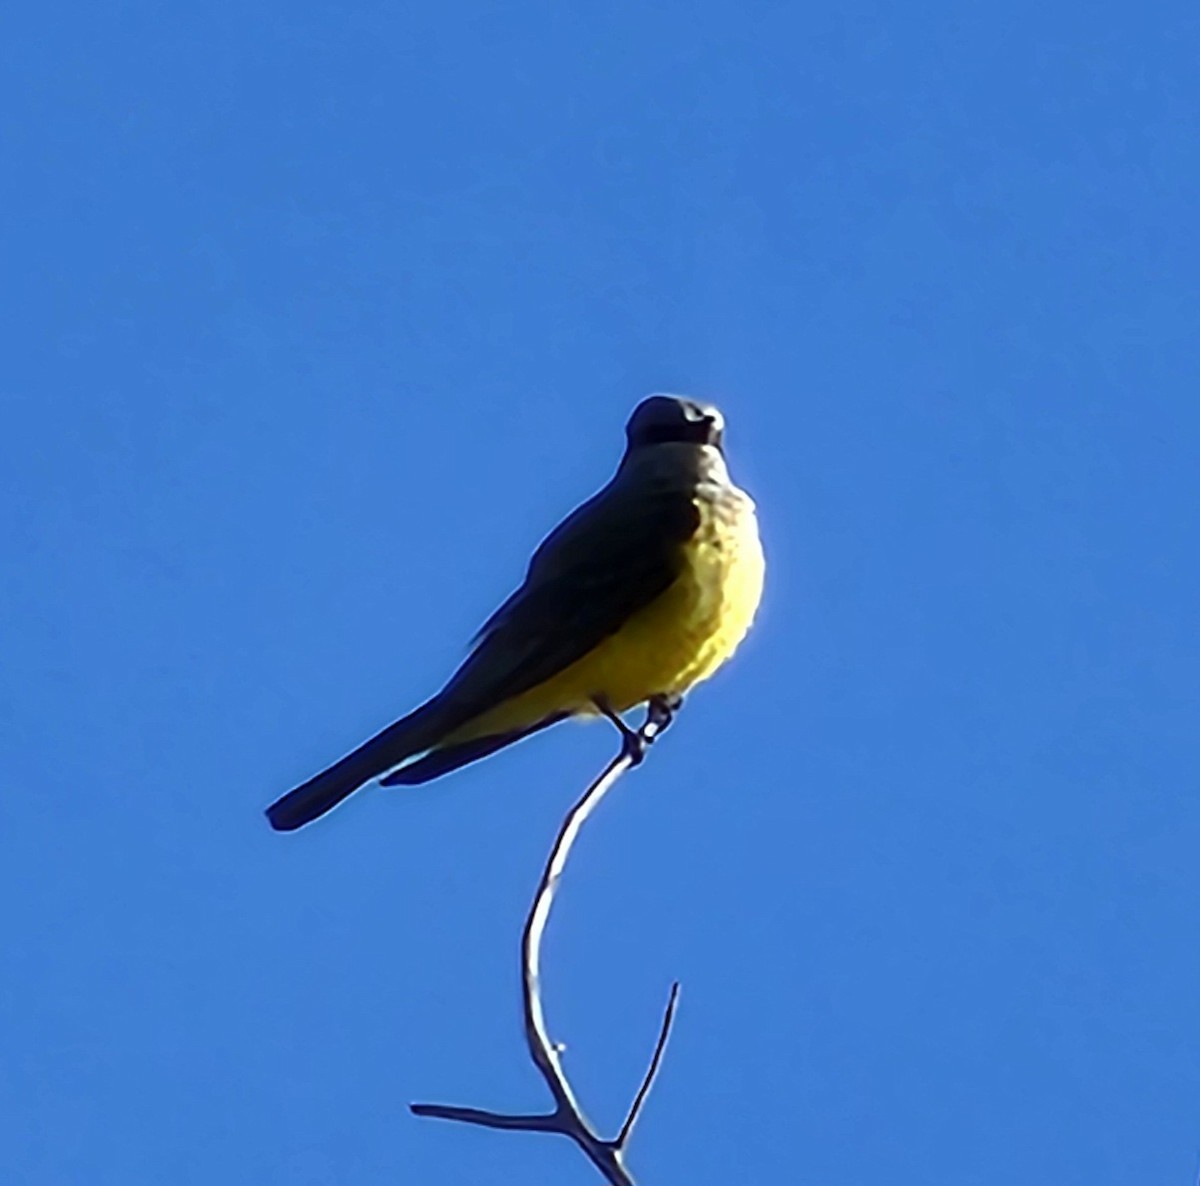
660, 712
633, 741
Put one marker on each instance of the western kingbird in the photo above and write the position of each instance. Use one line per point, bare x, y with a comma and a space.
638, 595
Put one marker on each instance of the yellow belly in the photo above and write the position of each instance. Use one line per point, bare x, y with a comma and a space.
666, 648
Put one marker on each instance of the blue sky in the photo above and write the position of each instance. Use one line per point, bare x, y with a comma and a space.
321, 318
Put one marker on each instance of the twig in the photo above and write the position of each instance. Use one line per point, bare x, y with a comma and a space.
652, 1070
567, 1118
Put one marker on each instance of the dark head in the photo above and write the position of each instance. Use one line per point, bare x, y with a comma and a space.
660, 419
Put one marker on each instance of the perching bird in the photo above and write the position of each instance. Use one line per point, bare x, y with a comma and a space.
635, 597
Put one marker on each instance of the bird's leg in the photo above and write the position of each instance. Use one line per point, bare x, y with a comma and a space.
633, 741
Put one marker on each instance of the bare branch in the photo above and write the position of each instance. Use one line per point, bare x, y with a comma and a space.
540, 1122
568, 1118
652, 1070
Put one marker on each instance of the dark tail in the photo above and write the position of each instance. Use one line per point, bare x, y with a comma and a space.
312, 799
442, 761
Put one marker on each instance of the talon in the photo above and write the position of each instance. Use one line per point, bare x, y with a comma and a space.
634, 747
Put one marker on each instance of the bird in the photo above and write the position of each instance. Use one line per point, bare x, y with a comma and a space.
642, 592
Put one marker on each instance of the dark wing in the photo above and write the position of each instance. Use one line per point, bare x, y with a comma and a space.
607, 560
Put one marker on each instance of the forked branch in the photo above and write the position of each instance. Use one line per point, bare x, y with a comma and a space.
567, 1117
